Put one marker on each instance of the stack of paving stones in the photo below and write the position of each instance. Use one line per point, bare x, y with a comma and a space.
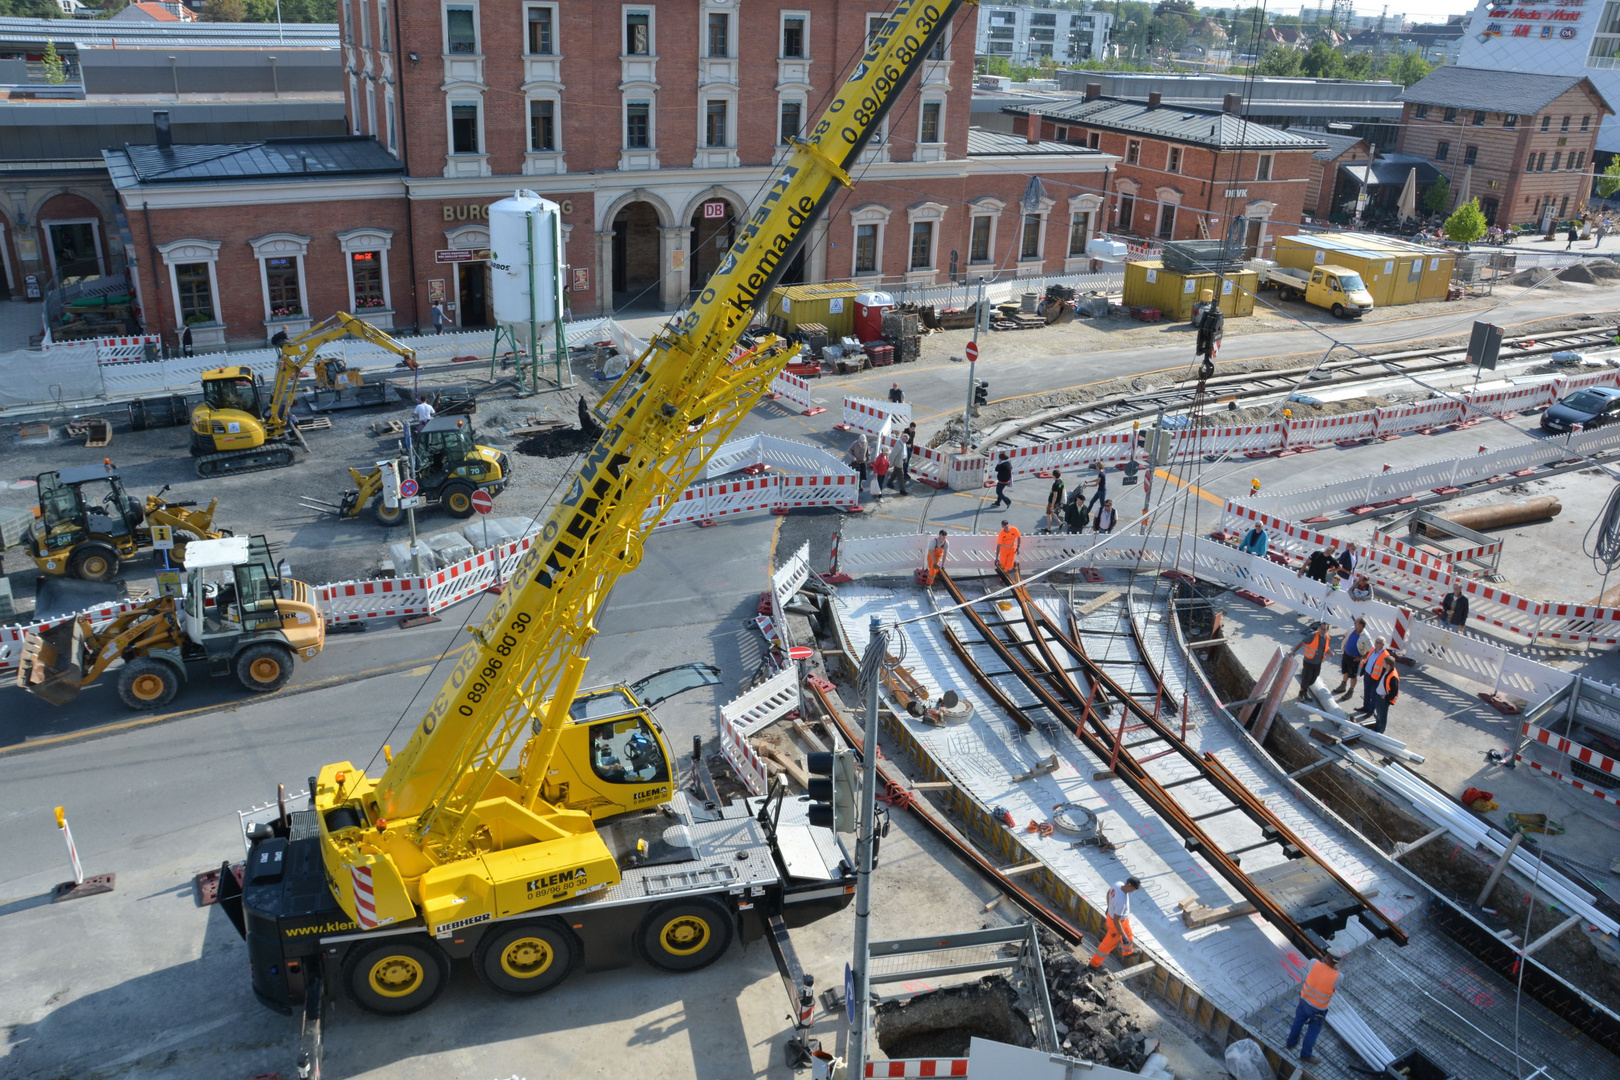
1090, 1024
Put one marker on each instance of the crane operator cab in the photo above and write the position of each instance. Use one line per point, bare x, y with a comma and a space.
231, 416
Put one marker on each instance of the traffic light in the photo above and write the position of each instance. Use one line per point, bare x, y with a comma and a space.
981, 393
832, 790
1211, 324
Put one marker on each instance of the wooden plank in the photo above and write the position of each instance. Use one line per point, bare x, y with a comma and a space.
1197, 915
1261, 688
1098, 602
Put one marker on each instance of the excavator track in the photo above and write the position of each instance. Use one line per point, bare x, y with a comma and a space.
232, 462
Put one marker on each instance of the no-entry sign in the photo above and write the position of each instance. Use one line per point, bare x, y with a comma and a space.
482, 502
972, 351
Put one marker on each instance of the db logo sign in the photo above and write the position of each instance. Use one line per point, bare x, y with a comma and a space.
714, 211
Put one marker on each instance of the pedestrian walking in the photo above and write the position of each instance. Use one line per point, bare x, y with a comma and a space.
1389, 689
185, 341
1316, 649
1003, 480
1107, 517
1454, 608
1350, 659
937, 550
437, 313
880, 471
896, 395
1118, 923
1075, 515
1102, 487
1256, 542
1320, 979
1054, 495
1602, 231
860, 454
1574, 235
1008, 541
422, 413
1372, 673
900, 466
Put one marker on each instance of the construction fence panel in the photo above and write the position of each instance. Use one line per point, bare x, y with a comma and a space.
793, 390
1242, 439
361, 601
12, 637
869, 417
1082, 451
743, 758
771, 700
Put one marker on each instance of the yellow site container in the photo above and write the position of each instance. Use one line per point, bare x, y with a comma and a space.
831, 303
1150, 285
1395, 271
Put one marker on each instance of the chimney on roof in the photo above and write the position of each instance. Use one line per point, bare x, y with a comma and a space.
1154, 98
1033, 134
1093, 91
160, 126
1233, 103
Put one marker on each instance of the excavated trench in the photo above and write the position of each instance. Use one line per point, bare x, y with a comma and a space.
940, 1023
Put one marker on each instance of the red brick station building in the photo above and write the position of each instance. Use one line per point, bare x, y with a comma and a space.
653, 124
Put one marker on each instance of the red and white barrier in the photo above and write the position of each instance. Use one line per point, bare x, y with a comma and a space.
913, 1067
744, 761
1082, 451
1439, 559
868, 416
770, 700
11, 637
775, 492
795, 391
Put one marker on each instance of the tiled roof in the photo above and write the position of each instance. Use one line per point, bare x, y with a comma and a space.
1336, 144
1491, 90
1198, 126
331, 157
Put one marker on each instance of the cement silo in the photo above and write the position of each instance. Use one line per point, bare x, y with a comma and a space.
526, 274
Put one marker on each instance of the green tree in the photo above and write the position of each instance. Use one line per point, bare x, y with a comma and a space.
1438, 197
1608, 181
1411, 69
1466, 224
1279, 60
229, 11
31, 9
1322, 61
1359, 66
55, 70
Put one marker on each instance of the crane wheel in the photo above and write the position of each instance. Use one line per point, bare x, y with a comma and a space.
264, 667
457, 500
145, 683
685, 935
396, 977
528, 958
95, 562
385, 514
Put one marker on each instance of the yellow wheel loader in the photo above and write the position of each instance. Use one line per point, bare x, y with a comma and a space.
88, 525
235, 615
236, 429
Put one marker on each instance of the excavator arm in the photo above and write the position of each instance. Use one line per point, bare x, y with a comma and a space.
662, 421
297, 353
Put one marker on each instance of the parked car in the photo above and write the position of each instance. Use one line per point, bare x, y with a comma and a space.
1592, 407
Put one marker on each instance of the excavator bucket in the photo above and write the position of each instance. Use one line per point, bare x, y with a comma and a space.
51, 665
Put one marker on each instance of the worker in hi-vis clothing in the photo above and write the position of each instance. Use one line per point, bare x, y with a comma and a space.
936, 557
1314, 996
1119, 922
1008, 541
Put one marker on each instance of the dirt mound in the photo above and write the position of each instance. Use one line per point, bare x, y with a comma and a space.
1604, 269
556, 443
1577, 273
1531, 276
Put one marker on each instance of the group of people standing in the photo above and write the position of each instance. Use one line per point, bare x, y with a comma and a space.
888, 464
1066, 511
1372, 660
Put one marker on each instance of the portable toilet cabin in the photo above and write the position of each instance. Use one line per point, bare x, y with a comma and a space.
830, 303
869, 309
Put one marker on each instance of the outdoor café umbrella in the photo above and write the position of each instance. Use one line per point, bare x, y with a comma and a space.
1462, 192
1406, 207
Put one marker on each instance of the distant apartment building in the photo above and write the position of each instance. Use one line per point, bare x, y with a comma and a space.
1031, 36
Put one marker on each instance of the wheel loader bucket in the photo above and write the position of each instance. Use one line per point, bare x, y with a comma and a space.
50, 666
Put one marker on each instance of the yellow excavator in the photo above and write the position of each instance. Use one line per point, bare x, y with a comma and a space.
235, 614
236, 429
529, 828
87, 524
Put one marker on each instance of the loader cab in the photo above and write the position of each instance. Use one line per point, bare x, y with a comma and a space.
232, 413
77, 503
231, 588
613, 757
233, 389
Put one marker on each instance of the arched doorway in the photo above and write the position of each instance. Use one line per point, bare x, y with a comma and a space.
714, 230
73, 238
636, 268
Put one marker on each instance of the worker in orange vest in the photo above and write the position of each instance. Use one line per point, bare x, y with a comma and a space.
1377, 665
1118, 922
1316, 648
936, 557
1314, 996
1008, 541
1388, 689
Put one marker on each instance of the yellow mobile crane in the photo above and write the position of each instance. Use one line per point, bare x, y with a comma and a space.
235, 430
452, 853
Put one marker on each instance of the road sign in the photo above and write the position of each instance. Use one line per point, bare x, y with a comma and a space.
849, 993
411, 502
482, 502
162, 537
972, 351
801, 652
408, 488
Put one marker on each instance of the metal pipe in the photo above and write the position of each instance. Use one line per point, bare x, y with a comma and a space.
877, 649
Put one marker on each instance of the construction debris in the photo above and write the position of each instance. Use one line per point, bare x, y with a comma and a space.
1090, 1023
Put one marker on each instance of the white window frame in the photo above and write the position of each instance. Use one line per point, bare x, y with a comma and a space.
984, 208
1097, 223
281, 245
1269, 164
1172, 159
371, 108
556, 35
794, 98
731, 33
354, 104
781, 28
627, 10
652, 121
935, 150
95, 233
450, 101
934, 214
385, 37
555, 97
390, 119
367, 239
365, 23
718, 94
870, 214
444, 27
1133, 151
178, 252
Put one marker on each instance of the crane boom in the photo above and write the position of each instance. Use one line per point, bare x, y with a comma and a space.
297, 352
433, 812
